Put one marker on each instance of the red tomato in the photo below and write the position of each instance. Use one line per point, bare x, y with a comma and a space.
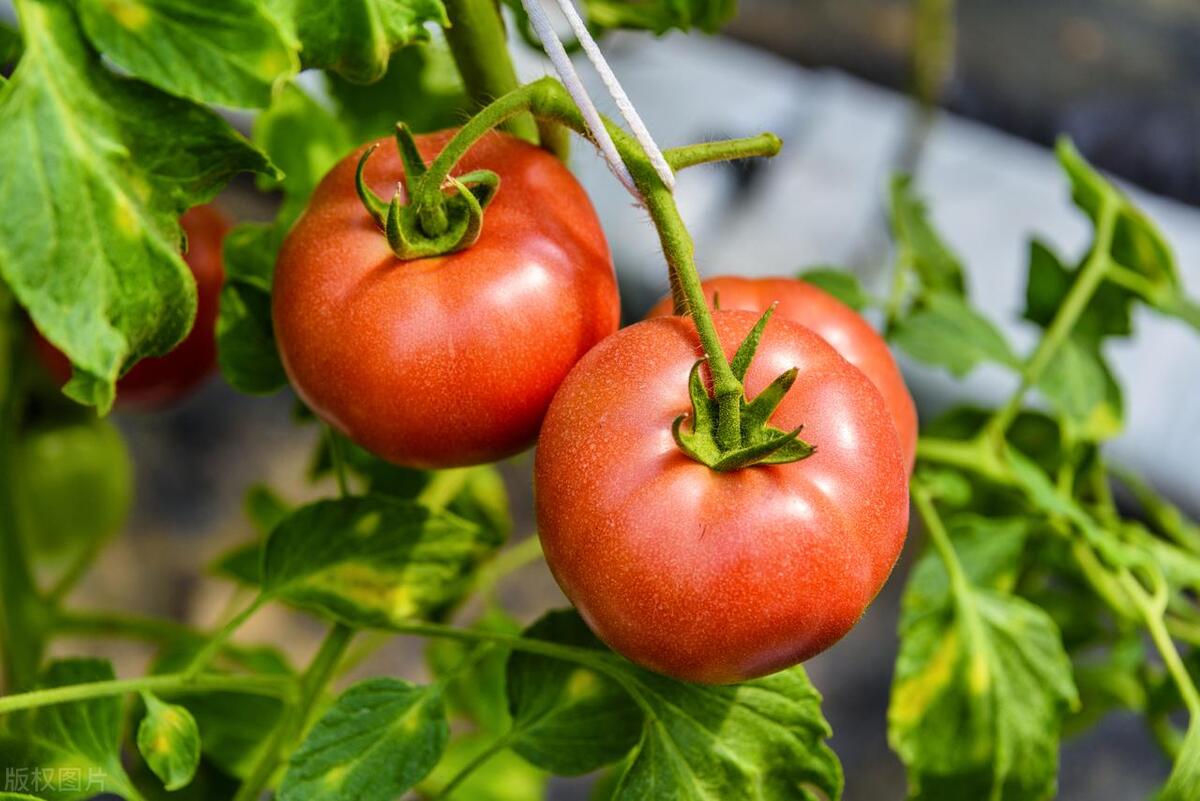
452, 360
708, 576
160, 381
836, 323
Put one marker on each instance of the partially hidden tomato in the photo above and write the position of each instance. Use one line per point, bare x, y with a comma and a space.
76, 485
835, 322
450, 360
159, 381
717, 576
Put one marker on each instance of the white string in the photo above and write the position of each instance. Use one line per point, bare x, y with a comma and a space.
617, 92
570, 78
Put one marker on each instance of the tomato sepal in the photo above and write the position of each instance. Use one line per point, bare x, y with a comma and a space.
418, 231
760, 443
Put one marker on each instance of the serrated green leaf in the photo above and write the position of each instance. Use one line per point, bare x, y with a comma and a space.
169, 741
95, 170
1185, 776
355, 38
568, 719
503, 777
842, 284
230, 53
422, 87
373, 561
982, 680
763, 739
919, 247
946, 331
81, 739
379, 739
1081, 387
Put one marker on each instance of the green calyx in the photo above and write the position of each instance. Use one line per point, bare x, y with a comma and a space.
758, 443
451, 221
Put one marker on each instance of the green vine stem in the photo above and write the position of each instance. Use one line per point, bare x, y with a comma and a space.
214, 645
478, 761
275, 686
765, 145
1091, 275
547, 99
940, 538
1153, 619
480, 49
296, 718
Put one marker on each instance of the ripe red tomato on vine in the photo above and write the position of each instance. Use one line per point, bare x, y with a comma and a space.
707, 575
835, 322
448, 360
160, 381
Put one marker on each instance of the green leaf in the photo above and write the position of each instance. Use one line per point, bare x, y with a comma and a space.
77, 740
421, 87
503, 777
1081, 387
982, 680
246, 349
304, 139
354, 38
946, 331
97, 169
231, 53
841, 284
660, 16
379, 739
373, 561
568, 719
169, 741
919, 248
1107, 313
477, 693
235, 727
1137, 243
1185, 776
763, 739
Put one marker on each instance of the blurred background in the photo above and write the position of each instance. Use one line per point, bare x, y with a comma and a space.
834, 78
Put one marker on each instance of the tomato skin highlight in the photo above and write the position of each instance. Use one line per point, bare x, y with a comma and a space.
160, 381
833, 321
452, 360
707, 576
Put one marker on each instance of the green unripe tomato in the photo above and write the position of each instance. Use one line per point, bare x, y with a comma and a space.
76, 482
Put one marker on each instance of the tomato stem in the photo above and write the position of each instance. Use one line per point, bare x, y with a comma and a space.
547, 99
479, 46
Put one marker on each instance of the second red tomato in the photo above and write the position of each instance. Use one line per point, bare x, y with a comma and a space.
451, 360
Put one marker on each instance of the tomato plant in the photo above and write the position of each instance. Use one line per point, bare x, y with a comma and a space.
718, 492
667, 558
835, 322
159, 381
431, 362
